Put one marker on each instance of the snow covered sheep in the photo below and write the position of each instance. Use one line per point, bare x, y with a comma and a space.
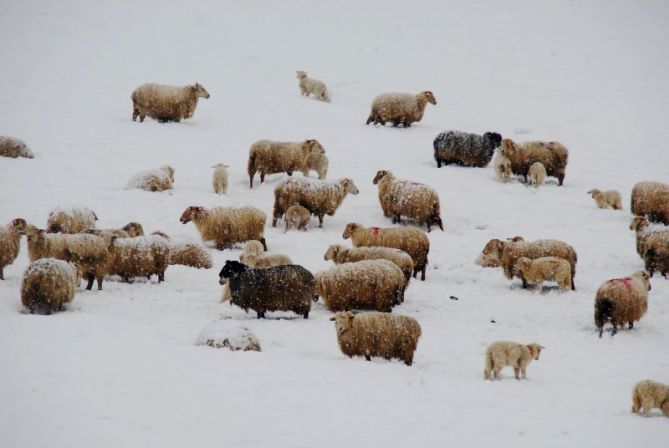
227, 225
140, 256
310, 85
49, 284
647, 395
656, 253
411, 240
506, 353
220, 178
400, 108
522, 155
622, 300
186, 253
71, 219
607, 198
297, 217
414, 200
279, 288
129, 230
366, 284
318, 196
270, 157
377, 334
644, 230
10, 242
537, 174
230, 335
502, 166
14, 147
464, 148
341, 254
651, 199
160, 179
544, 268
254, 256
166, 103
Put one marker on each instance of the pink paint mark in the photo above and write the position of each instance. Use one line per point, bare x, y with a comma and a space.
627, 281
375, 231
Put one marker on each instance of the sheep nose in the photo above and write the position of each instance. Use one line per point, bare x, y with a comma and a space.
221, 281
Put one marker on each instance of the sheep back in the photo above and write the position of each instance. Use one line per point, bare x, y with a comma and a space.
71, 219
552, 155
466, 149
141, 256
48, 284
622, 300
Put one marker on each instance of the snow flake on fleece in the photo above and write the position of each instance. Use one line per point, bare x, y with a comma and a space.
227, 333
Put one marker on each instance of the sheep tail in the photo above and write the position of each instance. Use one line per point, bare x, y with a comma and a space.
603, 312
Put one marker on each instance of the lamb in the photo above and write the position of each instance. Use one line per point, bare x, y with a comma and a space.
71, 219
227, 225
502, 166
14, 147
377, 334
220, 178
651, 199
153, 180
644, 230
48, 284
310, 85
254, 256
319, 197
400, 108
404, 198
10, 242
140, 256
279, 288
319, 162
187, 254
607, 198
656, 253
129, 230
367, 284
551, 154
297, 217
647, 395
544, 268
506, 353
270, 157
466, 149
409, 239
622, 300
340, 254
166, 103
537, 174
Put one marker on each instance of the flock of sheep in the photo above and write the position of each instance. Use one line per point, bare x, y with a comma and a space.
371, 275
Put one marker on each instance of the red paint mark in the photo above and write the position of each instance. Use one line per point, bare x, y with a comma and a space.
627, 281
375, 231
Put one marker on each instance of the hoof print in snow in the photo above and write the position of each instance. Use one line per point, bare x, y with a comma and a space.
229, 335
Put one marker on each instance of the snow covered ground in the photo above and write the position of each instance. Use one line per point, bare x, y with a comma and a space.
121, 368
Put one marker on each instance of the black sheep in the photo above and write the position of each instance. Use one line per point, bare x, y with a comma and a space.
465, 149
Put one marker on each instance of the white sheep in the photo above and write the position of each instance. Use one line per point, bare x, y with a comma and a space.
400, 108
506, 353
310, 85
10, 242
341, 254
502, 165
537, 174
297, 217
271, 157
227, 225
220, 178
71, 219
166, 103
647, 395
544, 268
14, 147
254, 256
153, 180
48, 284
607, 198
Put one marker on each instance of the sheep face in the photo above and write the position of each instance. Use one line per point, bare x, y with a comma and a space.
644, 277
36, 236
349, 186
191, 213
594, 192
493, 137
508, 148
134, 229
380, 175
343, 321
491, 255
522, 265
199, 91
350, 230
429, 97
331, 253
20, 225
231, 269
301, 74
315, 147
535, 350
639, 223
169, 170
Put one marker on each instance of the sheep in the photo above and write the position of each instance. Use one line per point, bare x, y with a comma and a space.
656, 253
140, 256
377, 334
340, 254
644, 230
463, 148
153, 180
129, 230
270, 157
319, 162
651, 199
10, 242
537, 173
366, 284
48, 284
310, 85
279, 288
409, 239
71, 219
319, 197
414, 200
502, 166
166, 103
622, 300
607, 198
14, 147
544, 268
186, 254
297, 217
506, 353
227, 225
220, 178
551, 154
647, 395
400, 108
254, 256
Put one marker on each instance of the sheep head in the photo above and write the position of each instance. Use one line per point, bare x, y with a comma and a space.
494, 137
199, 91
644, 277
348, 186
522, 265
535, 350
253, 247
312, 146
169, 170
192, 213
35, 236
343, 321
301, 74
350, 229
332, 252
429, 97
231, 269
508, 148
639, 223
380, 175
20, 224
490, 256
134, 229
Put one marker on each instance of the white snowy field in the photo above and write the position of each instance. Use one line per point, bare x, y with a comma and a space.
120, 366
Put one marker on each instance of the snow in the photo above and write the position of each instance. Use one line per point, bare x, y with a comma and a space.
228, 334
119, 367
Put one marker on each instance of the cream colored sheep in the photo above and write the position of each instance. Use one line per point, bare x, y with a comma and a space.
319, 162
255, 257
647, 395
153, 180
310, 85
139, 256
544, 268
644, 230
297, 217
270, 157
502, 166
71, 219
552, 155
537, 173
377, 334
129, 230
48, 284
651, 199
14, 147
622, 300
409, 239
608, 198
506, 353
411, 199
220, 178
166, 103
367, 284
186, 253
10, 242
227, 225
656, 253
341, 254
400, 108
319, 197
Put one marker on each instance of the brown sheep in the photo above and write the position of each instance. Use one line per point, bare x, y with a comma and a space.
647, 395
502, 166
644, 230
400, 108
139, 256
622, 300
544, 268
71, 219
297, 217
255, 257
506, 353
607, 198
551, 154
166, 103
10, 242
48, 284
227, 225
651, 199
341, 254
656, 253
14, 147
270, 157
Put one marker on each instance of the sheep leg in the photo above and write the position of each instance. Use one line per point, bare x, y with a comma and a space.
264, 244
251, 174
573, 285
560, 179
306, 315
99, 279
631, 325
90, 279
320, 220
615, 330
601, 331
135, 113
516, 372
368, 358
2, 276
161, 276
422, 275
262, 176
